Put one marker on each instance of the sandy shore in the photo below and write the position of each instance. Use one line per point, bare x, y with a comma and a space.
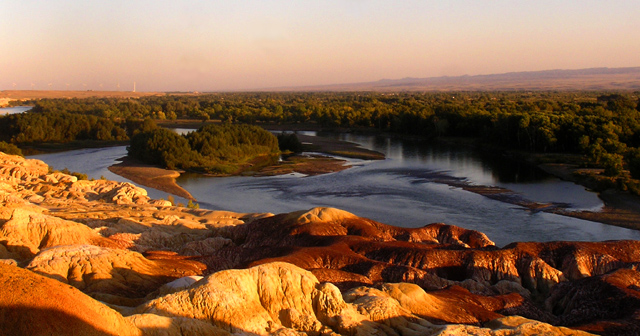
620, 209
150, 176
309, 165
165, 179
338, 148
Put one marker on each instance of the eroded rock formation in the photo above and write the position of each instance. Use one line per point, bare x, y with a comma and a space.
167, 270
35, 305
116, 272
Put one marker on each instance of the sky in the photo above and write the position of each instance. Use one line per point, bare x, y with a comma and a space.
254, 44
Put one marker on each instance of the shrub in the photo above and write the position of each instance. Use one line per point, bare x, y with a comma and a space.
289, 142
11, 149
192, 205
612, 164
80, 176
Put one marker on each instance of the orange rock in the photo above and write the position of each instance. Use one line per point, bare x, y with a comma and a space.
33, 305
94, 269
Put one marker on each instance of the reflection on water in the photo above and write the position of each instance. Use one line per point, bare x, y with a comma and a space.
479, 168
397, 191
183, 131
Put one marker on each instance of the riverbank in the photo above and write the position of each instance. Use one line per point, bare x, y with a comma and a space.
150, 176
54, 147
337, 148
309, 165
620, 207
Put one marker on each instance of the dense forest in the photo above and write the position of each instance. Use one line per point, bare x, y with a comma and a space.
59, 126
214, 149
604, 127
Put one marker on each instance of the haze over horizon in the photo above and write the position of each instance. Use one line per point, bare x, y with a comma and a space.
220, 46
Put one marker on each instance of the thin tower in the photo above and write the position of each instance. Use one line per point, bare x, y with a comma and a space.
134, 86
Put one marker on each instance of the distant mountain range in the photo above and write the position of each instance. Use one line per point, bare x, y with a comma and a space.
593, 79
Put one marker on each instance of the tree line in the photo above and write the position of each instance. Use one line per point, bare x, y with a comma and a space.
603, 126
58, 126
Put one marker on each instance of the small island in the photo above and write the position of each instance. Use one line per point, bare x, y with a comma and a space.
158, 156
217, 150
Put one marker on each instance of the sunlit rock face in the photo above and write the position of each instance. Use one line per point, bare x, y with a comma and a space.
69, 248
31, 304
32, 180
27, 232
280, 298
96, 270
349, 251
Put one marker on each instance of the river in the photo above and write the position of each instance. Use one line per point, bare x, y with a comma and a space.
403, 190
14, 110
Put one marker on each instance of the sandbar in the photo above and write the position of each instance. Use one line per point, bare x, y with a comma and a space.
150, 176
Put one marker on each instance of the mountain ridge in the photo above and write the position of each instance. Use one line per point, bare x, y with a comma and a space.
602, 78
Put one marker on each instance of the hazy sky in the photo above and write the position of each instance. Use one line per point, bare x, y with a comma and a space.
247, 44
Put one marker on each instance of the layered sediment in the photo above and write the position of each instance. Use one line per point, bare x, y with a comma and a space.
106, 257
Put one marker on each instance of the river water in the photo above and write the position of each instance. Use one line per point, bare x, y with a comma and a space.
14, 110
403, 190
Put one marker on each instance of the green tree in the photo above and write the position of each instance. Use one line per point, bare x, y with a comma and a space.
633, 160
289, 142
612, 164
162, 147
11, 149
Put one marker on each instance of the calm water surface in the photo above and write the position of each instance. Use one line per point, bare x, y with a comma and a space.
402, 190
14, 110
